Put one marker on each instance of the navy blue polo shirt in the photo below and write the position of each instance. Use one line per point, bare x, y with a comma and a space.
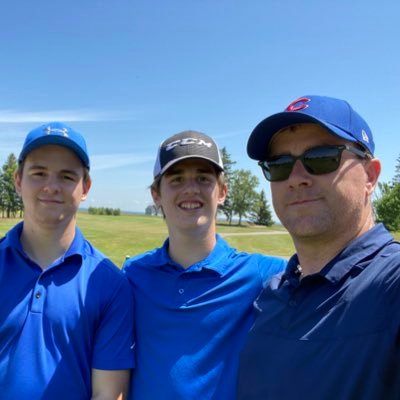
58, 324
191, 323
333, 335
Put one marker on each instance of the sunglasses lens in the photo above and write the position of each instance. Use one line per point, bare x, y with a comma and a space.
278, 168
317, 161
322, 160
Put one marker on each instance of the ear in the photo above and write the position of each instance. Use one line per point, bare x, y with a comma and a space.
87, 184
223, 191
17, 182
155, 194
373, 170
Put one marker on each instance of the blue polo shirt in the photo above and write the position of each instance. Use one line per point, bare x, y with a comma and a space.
191, 323
334, 335
58, 324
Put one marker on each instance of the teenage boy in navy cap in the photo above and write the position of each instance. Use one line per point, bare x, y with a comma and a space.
193, 295
329, 326
66, 311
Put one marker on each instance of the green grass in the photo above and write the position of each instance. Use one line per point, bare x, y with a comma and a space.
128, 235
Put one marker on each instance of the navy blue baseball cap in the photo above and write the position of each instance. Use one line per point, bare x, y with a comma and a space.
59, 134
336, 115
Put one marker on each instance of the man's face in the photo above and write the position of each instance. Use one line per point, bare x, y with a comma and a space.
189, 195
328, 205
51, 185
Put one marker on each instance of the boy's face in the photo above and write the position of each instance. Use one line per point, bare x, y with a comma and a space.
189, 195
51, 185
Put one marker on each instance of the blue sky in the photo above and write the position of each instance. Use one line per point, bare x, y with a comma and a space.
128, 74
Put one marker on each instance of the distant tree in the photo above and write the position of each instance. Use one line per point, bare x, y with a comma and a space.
227, 208
261, 213
387, 206
151, 209
10, 202
104, 211
243, 193
396, 178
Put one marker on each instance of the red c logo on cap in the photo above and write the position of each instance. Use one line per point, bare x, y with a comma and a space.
298, 104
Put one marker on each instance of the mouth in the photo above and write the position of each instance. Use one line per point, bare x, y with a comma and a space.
301, 202
50, 201
190, 205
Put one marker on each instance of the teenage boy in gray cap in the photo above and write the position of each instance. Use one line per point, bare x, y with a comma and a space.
329, 326
193, 295
66, 315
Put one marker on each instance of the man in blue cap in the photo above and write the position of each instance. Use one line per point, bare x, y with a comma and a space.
329, 326
66, 314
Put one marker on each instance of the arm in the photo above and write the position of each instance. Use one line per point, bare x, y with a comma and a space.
110, 385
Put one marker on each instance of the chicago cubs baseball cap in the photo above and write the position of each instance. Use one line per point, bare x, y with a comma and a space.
336, 115
183, 145
59, 134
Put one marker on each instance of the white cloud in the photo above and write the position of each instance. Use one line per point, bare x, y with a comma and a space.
15, 116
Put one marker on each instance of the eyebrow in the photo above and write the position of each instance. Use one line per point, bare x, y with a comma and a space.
43, 168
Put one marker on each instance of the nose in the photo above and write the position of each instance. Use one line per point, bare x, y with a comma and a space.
191, 186
51, 185
299, 175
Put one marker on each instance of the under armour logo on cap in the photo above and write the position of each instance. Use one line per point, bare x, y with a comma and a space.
49, 130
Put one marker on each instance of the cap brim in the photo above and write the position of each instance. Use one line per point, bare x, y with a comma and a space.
173, 162
257, 145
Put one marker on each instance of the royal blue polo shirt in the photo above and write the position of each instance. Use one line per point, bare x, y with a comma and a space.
334, 335
58, 324
191, 323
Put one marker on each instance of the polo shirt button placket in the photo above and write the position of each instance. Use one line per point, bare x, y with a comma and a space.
39, 293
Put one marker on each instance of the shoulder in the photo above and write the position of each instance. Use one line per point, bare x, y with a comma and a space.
263, 261
262, 265
95, 261
388, 262
143, 260
270, 265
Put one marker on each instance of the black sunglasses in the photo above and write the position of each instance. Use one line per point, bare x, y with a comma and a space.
317, 161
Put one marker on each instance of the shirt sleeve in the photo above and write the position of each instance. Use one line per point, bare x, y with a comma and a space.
114, 339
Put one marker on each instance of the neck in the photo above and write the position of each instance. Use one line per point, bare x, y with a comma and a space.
314, 253
186, 249
45, 245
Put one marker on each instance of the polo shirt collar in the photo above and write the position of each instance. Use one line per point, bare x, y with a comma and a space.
12, 239
352, 256
216, 261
